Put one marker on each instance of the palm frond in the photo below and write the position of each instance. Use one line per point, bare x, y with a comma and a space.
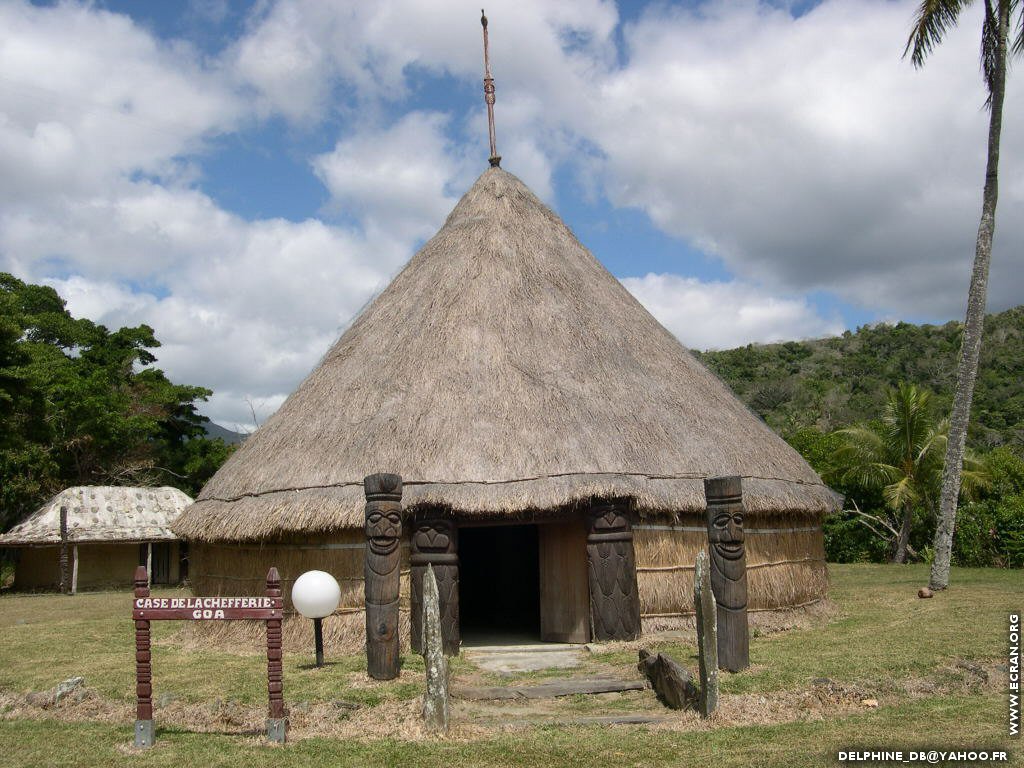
990, 53
901, 493
974, 477
931, 22
1017, 47
872, 474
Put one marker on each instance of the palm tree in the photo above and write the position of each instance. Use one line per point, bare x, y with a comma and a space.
902, 457
933, 19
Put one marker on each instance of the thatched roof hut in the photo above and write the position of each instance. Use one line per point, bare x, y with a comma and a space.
111, 529
508, 377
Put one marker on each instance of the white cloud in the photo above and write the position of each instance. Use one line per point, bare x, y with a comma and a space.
807, 155
803, 152
720, 315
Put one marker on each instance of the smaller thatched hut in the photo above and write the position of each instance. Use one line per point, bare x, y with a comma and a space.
108, 532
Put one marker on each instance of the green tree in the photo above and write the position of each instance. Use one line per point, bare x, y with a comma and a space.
901, 455
934, 18
82, 405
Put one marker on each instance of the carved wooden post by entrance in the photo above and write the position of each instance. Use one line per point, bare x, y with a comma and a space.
381, 573
728, 570
435, 544
277, 724
64, 550
143, 669
614, 601
707, 636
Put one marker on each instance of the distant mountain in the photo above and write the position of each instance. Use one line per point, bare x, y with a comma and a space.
214, 430
834, 382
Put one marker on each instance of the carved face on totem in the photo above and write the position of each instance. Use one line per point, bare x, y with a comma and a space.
608, 519
725, 532
728, 554
383, 530
433, 536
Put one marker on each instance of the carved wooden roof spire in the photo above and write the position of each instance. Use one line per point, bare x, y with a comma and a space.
495, 158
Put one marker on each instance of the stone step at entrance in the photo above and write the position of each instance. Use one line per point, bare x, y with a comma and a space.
549, 689
532, 657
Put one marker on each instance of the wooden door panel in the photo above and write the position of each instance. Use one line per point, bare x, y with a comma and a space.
564, 587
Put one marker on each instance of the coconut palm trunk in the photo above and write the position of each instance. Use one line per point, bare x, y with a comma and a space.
967, 370
903, 541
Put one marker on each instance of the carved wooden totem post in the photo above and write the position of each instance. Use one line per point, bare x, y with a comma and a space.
435, 543
381, 573
277, 724
143, 669
728, 570
614, 602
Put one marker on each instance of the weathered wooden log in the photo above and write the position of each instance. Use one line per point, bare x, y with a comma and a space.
381, 573
144, 731
277, 723
670, 680
435, 543
728, 570
611, 564
64, 587
707, 636
435, 700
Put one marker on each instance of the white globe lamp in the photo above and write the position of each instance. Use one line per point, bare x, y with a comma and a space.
316, 594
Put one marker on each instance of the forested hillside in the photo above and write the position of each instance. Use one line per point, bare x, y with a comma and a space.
834, 382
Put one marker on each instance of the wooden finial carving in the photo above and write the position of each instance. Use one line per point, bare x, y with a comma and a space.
495, 158
728, 570
381, 573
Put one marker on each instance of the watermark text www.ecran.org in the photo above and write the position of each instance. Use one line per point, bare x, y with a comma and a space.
1014, 674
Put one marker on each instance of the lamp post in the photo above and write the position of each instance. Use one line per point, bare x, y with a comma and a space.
316, 594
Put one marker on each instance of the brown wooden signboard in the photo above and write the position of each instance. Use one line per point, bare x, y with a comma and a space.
269, 608
208, 608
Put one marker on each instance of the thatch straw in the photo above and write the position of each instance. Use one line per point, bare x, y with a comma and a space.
503, 371
785, 564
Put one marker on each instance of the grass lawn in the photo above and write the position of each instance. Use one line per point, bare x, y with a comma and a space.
932, 665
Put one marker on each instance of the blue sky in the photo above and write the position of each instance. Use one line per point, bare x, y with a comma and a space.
245, 176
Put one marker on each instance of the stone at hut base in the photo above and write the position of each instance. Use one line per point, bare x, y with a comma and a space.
436, 704
924, 592
670, 680
54, 696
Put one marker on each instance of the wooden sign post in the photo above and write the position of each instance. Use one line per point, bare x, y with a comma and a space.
146, 609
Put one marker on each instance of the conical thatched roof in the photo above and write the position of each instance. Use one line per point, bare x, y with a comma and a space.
504, 370
102, 513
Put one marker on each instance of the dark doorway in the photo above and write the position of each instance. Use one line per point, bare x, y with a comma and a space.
161, 563
499, 581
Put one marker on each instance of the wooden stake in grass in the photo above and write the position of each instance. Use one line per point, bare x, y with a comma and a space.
707, 636
435, 701
64, 550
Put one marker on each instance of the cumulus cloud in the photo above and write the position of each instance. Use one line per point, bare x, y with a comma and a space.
800, 151
720, 315
807, 155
